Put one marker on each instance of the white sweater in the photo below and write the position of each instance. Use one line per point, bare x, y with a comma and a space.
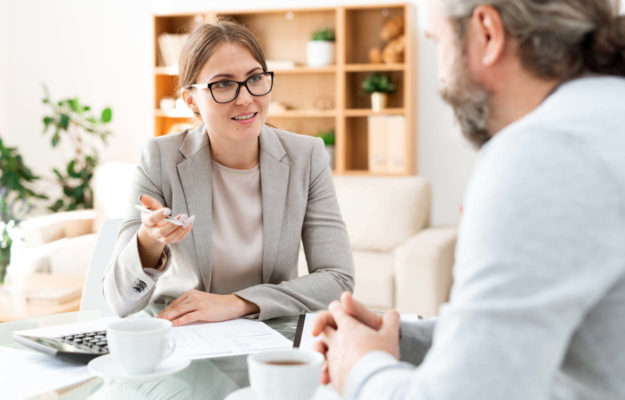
537, 310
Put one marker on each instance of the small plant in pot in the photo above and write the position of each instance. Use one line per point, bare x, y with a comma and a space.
320, 48
328, 138
378, 85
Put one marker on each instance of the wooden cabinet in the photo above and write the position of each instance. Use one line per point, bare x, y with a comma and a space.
317, 98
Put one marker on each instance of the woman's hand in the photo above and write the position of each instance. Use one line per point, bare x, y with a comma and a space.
195, 306
155, 231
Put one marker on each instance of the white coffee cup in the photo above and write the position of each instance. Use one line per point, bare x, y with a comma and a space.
138, 345
285, 374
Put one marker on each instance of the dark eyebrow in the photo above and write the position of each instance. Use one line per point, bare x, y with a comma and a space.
230, 76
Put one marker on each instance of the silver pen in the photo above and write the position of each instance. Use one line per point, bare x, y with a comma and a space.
184, 222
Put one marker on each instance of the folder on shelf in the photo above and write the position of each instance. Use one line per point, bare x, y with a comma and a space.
386, 143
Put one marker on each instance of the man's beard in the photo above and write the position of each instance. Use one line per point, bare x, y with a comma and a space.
469, 100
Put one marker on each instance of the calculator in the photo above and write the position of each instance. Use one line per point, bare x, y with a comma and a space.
77, 347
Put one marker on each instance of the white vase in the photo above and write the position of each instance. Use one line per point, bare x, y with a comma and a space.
319, 53
378, 101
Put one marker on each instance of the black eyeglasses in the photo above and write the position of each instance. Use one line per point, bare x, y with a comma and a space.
227, 90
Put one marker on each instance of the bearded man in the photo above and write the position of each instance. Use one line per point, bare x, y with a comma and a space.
537, 310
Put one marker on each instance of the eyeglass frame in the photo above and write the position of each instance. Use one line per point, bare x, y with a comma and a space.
209, 86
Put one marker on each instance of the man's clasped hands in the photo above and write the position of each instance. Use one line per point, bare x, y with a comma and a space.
348, 331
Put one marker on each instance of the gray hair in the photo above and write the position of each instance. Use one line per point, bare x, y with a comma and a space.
557, 38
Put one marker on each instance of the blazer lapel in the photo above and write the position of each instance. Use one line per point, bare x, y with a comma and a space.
195, 177
274, 178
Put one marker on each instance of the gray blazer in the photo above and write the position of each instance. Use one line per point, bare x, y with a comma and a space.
299, 204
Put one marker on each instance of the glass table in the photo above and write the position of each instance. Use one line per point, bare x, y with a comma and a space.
202, 379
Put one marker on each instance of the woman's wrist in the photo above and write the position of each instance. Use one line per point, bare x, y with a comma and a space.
150, 250
244, 307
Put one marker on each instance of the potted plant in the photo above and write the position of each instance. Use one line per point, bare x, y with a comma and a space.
328, 138
72, 120
320, 48
15, 199
378, 85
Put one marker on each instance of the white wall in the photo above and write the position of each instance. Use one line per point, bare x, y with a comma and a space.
3, 72
101, 50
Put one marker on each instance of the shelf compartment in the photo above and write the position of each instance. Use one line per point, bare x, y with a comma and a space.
362, 28
356, 139
164, 86
319, 91
270, 27
356, 98
165, 124
305, 126
174, 24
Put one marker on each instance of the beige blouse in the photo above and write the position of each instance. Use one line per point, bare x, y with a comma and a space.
237, 229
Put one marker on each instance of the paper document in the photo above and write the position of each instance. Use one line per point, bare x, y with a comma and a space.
26, 373
222, 339
203, 340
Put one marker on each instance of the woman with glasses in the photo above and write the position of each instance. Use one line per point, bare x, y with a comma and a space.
252, 194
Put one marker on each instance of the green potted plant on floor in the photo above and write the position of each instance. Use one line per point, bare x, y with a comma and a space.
16, 195
378, 85
320, 48
72, 121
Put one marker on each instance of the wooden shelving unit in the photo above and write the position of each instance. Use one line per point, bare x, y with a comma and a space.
320, 98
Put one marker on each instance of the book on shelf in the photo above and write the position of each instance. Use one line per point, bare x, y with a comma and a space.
170, 45
56, 295
386, 143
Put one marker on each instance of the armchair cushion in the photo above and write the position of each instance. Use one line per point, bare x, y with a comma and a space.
380, 212
423, 271
48, 228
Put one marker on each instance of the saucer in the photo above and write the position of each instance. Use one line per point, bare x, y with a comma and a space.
105, 367
322, 393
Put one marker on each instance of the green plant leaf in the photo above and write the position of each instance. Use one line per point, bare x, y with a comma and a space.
70, 170
46, 123
323, 34
58, 174
74, 104
377, 83
56, 138
56, 206
107, 114
64, 121
78, 193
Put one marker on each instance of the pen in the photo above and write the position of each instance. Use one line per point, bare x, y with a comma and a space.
174, 221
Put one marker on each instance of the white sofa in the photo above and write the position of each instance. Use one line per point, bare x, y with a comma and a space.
400, 261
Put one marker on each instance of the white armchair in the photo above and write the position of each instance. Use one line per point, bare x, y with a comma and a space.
63, 243
401, 262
